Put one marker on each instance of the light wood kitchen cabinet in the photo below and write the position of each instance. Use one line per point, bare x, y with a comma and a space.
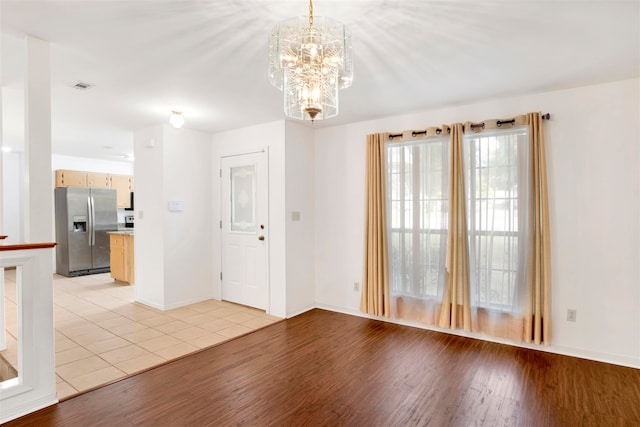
124, 186
121, 257
67, 178
98, 180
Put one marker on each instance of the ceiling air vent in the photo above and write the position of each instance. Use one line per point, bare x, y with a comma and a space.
82, 85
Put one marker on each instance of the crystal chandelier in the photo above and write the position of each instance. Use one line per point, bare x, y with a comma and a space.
310, 59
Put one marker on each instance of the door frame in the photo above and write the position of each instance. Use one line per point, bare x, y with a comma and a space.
264, 151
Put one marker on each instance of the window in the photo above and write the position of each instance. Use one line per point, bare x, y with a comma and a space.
488, 180
495, 174
417, 214
496, 187
243, 195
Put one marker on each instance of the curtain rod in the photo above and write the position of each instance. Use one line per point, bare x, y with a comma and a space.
546, 116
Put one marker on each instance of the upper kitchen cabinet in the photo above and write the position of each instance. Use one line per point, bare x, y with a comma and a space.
67, 178
98, 180
124, 186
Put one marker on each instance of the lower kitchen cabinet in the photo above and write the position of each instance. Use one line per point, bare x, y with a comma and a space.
122, 257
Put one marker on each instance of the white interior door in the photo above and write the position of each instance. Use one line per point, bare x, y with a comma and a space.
244, 230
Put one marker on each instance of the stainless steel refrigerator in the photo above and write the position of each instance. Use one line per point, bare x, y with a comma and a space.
83, 218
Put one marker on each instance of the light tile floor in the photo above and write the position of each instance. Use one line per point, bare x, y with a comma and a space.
103, 335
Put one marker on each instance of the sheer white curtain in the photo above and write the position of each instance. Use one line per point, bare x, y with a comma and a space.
497, 177
417, 216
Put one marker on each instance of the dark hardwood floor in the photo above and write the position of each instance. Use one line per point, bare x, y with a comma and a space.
324, 368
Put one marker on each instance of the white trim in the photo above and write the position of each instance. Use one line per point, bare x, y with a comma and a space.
303, 310
27, 408
224, 156
35, 386
177, 304
264, 150
150, 304
268, 222
3, 330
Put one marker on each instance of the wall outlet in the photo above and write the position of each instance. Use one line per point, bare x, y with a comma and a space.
571, 315
356, 286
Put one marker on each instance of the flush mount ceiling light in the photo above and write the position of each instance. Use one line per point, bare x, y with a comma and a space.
176, 119
310, 60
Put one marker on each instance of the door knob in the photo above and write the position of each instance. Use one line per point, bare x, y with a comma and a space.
261, 238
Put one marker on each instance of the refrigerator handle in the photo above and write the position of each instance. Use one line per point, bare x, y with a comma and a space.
92, 222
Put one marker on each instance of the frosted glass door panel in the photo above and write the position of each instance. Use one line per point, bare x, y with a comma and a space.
243, 199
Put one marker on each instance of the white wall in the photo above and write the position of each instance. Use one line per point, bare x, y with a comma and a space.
271, 138
149, 216
115, 167
300, 240
173, 250
38, 197
339, 203
291, 177
187, 235
13, 197
594, 188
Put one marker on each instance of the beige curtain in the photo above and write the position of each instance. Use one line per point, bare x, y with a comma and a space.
499, 324
375, 287
456, 305
423, 309
531, 324
539, 278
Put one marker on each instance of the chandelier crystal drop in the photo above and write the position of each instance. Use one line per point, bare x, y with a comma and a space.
310, 60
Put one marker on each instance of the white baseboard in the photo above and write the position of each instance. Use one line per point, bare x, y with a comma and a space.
174, 305
298, 312
149, 303
615, 359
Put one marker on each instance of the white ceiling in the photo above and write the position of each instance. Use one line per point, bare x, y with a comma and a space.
209, 59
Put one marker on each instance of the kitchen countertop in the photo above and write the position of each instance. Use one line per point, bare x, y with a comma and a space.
128, 232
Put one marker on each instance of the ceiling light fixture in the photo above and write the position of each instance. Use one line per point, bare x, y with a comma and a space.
310, 60
176, 119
